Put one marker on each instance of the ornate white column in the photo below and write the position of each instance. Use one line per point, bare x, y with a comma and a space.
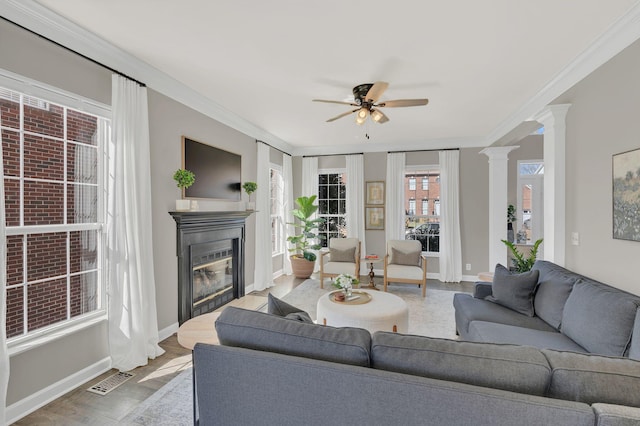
498, 186
553, 117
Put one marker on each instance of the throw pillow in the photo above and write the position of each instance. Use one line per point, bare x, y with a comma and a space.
401, 258
346, 255
300, 316
280, 308
514, 291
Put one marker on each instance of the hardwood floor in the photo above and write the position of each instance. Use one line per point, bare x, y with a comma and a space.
80, 407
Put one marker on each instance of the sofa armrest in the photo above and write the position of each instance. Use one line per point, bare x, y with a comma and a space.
615, 415
482, 289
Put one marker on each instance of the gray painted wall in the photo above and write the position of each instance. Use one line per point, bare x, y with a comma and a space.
602, 121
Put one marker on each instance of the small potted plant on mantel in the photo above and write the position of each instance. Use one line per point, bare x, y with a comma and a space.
184, 179
303, 259
250, 188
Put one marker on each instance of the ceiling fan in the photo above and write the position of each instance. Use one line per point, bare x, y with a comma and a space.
366, 98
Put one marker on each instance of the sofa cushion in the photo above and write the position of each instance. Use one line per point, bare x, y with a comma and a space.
592, 378
343, 255
481, 331
554, 286
514, 291
279, 307
634, 348
599, 318
468, 308
514, 368
261, 331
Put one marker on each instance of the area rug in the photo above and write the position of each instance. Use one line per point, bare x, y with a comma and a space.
172, 404
431, 316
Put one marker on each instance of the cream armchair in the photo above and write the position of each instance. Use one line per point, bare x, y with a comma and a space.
343, 257
405, 263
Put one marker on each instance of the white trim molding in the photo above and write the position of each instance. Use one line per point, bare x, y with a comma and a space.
28, 405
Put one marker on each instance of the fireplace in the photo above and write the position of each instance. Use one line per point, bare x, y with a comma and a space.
210, 250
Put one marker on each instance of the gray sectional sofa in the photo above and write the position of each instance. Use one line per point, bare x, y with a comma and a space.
271, 370
568, 312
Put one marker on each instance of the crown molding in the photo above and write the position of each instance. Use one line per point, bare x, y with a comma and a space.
617, 37
41, 20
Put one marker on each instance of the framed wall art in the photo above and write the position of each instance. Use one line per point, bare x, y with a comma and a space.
626, 195
374, 218
375, 193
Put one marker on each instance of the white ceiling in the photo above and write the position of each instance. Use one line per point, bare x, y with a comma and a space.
482, 64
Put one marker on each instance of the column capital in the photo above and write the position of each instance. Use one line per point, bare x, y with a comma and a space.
498, 152
552, 114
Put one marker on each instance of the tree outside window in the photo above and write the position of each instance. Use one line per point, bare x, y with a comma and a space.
332, 204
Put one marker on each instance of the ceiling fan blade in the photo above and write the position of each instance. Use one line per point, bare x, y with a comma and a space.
378, 116
376, 91
344, 114
334, 102
403, 103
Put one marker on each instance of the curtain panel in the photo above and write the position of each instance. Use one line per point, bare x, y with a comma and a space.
450, 245
355, 195
394, 211
263, 273
287, 175
310, 184
131, 296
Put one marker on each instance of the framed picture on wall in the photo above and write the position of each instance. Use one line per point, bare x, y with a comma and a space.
374, 218
375, 193
626, 193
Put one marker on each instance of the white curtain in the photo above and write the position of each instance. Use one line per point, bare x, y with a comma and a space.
133, 324
394, 211
450, 246
310, 182
355, 195
287, 175
4, 352
263, 272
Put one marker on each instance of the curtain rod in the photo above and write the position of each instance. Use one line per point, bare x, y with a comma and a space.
277, 149
74, 51
425, 150
332, 155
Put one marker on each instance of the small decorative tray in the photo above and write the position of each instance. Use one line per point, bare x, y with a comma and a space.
357, 298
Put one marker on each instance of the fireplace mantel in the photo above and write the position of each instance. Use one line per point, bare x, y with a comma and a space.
197, 229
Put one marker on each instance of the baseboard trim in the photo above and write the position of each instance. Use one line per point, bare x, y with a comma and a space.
28, 405
168, 331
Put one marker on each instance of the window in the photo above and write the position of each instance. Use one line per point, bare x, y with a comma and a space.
412, 184
54, 212
423, 226
332, 201
529, 225
277, 210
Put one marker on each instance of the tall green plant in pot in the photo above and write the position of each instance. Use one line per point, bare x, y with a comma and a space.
303, 259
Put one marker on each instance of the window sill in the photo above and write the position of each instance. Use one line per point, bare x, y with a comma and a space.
431, 254
18, 345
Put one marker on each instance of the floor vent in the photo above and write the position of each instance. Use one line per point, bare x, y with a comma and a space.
110, 383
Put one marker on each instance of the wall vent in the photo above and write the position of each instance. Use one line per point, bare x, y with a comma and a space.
110, 383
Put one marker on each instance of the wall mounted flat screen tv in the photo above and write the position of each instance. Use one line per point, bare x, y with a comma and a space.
218, 172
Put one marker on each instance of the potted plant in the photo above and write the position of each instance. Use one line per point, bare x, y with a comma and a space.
519, 261
303, 259
184, 179
250, 188
511, 217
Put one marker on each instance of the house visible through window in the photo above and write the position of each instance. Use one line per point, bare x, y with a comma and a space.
332, 201
423, 225
52, 165
277, 210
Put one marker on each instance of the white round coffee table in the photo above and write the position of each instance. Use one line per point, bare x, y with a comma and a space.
385, 312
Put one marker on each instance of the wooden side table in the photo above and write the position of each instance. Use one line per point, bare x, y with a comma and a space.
371, 261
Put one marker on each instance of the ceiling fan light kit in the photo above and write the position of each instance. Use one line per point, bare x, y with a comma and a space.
366, 97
